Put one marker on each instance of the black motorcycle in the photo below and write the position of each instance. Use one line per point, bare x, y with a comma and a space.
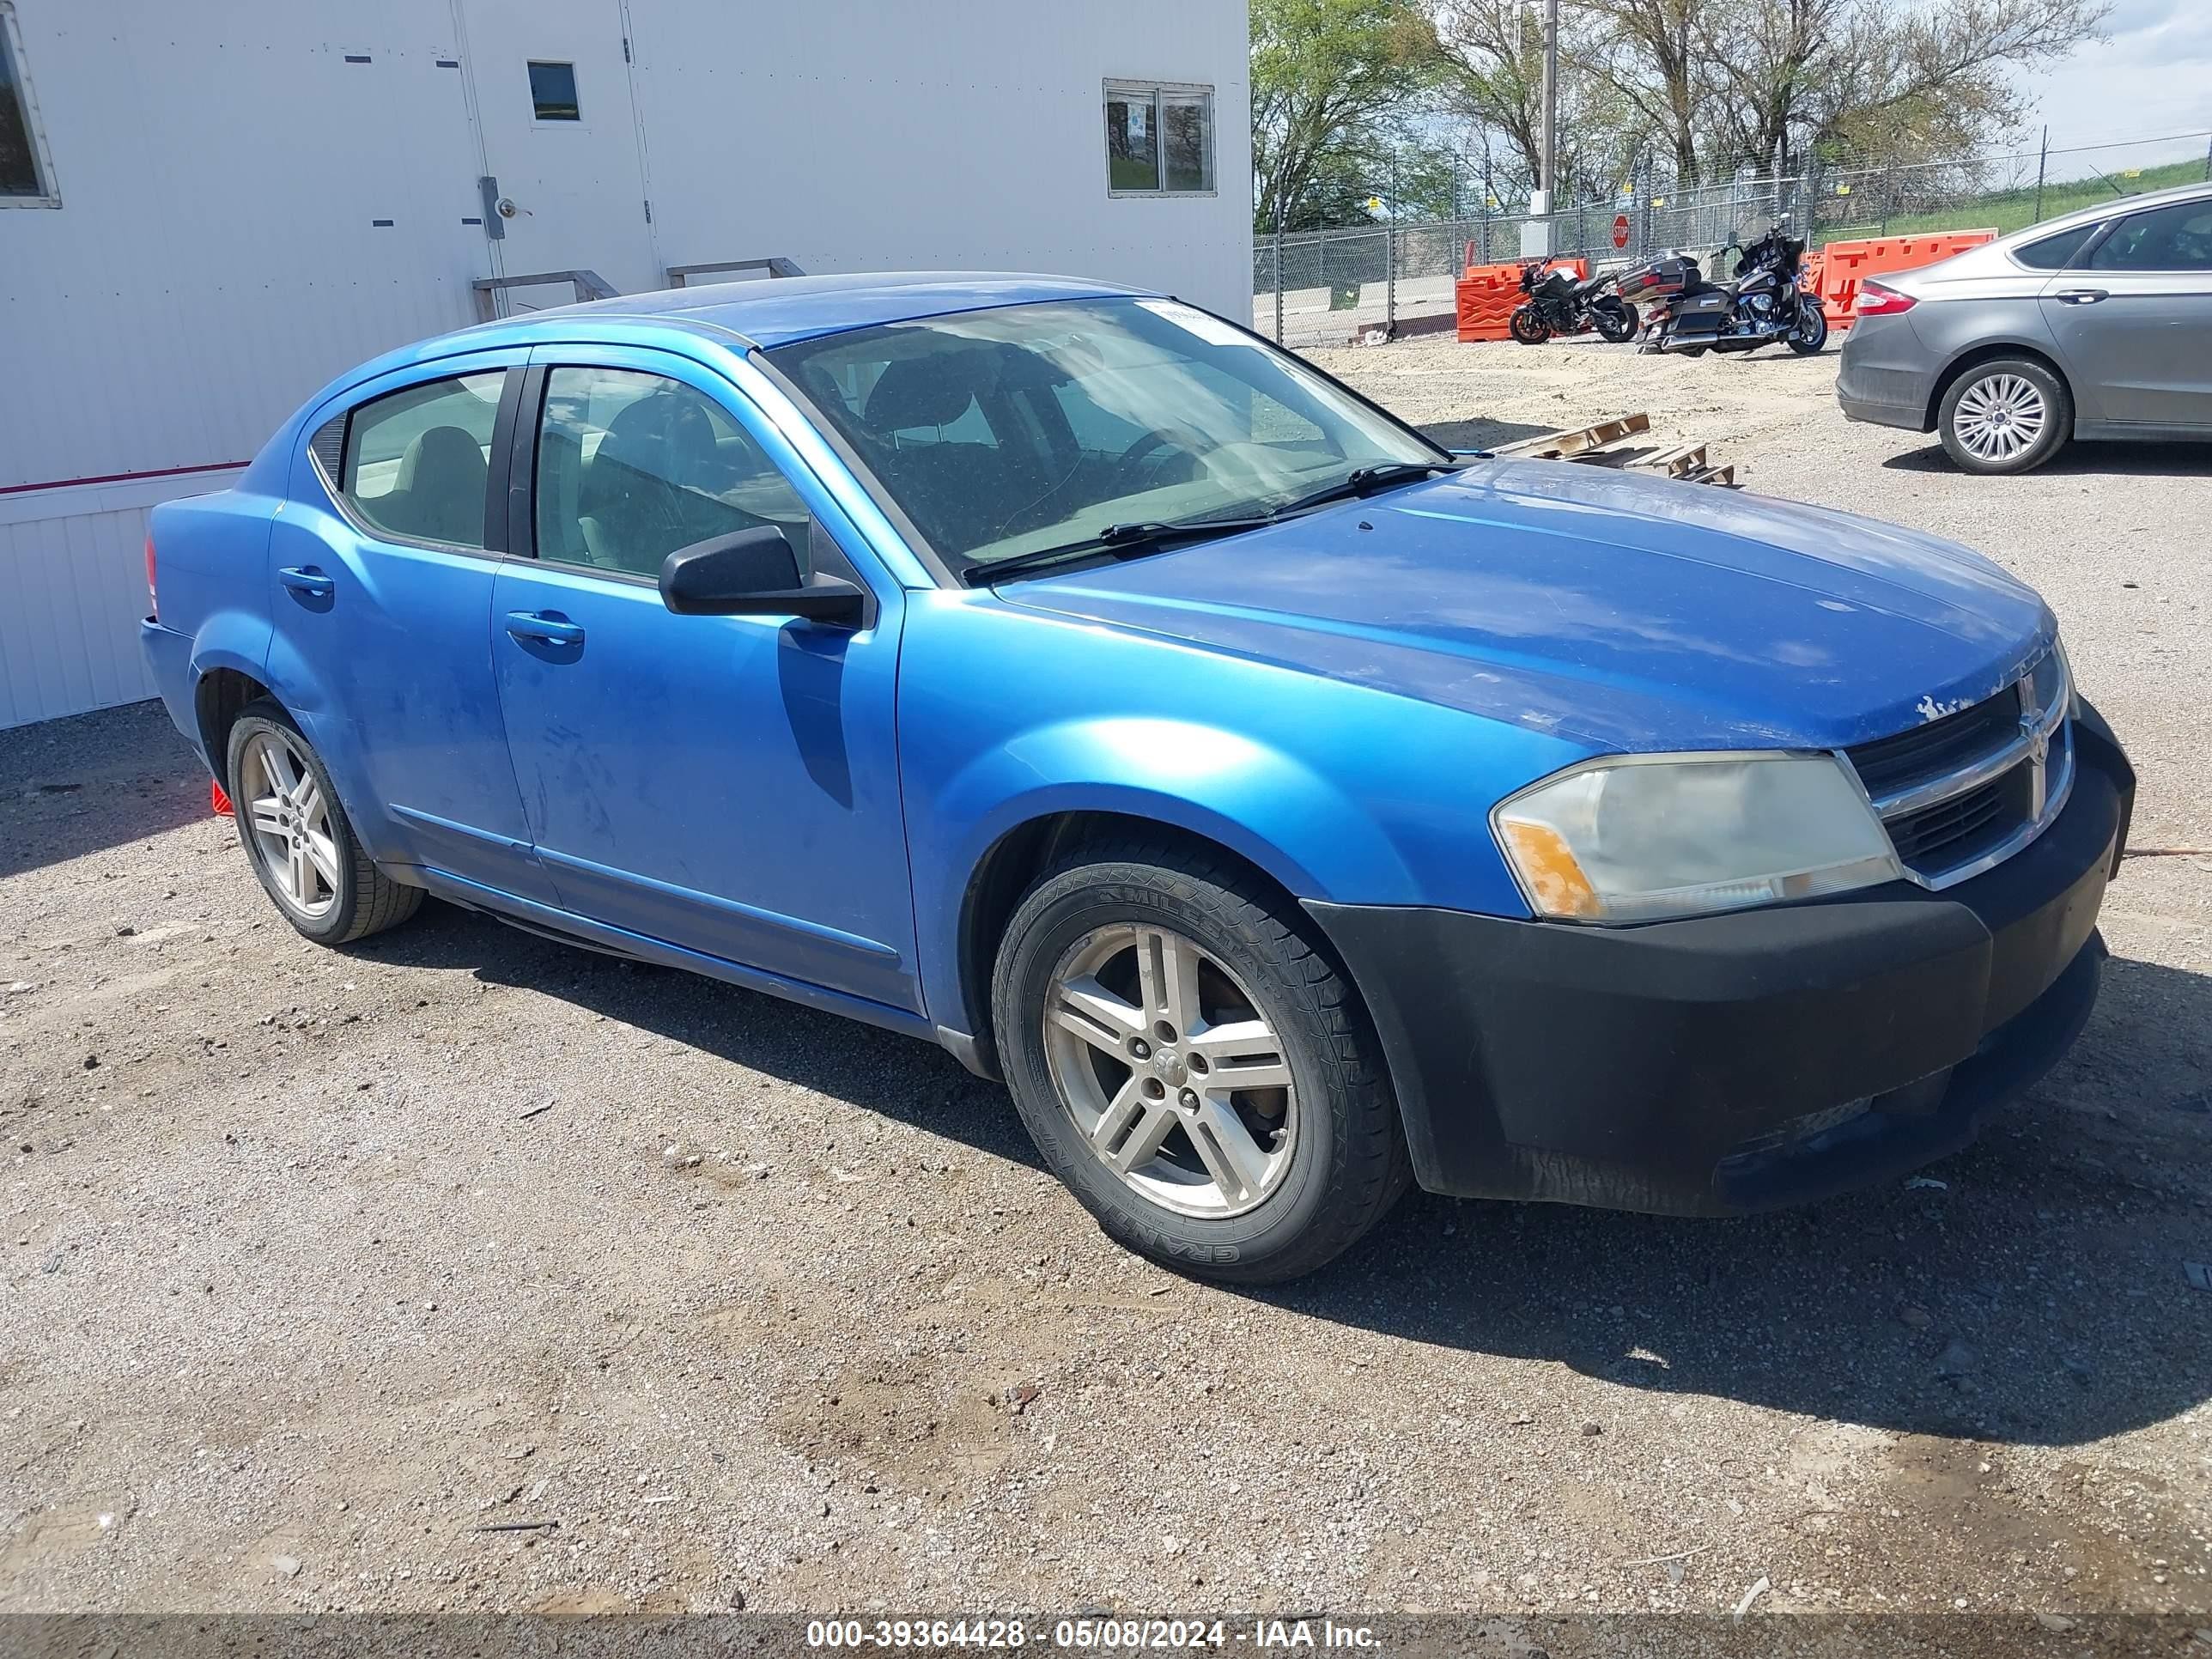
1559, 304
1767, 301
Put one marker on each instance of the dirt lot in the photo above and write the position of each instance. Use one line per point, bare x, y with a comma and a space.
319, 1266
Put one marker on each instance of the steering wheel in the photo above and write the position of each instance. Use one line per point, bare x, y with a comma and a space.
1145, 444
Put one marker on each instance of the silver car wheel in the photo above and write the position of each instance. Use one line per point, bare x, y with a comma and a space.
291, 823
2001, 417
1171, 1071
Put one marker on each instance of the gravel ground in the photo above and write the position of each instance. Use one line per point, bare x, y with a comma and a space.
322, 1267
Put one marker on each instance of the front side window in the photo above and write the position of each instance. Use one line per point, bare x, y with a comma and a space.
416, 462
1159, 138
553, 92
632, 466
22, 174
1003, 431
2176, 238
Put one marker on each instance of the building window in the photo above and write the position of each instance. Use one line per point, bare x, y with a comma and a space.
553, 92
1159, 139
25, 175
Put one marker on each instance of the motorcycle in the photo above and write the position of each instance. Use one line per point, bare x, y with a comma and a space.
1767, 301
1559, 304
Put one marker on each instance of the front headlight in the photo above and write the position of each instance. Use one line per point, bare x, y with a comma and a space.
1644, 837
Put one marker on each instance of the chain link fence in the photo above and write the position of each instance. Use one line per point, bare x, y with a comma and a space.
1332, 287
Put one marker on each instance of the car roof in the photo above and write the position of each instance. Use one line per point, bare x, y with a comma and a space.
775, 311
2097, 212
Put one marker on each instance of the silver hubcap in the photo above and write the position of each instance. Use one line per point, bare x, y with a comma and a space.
1999, 418
1170, 1070
291, 825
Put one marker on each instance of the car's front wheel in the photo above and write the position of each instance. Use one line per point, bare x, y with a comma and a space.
2005, 415
298, 838
1193, 1066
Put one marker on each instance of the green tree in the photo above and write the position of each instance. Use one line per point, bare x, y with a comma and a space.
1334, 84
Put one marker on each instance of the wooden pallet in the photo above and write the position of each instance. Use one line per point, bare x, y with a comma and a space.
1605, 443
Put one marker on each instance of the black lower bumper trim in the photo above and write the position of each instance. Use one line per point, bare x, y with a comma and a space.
1730, 1063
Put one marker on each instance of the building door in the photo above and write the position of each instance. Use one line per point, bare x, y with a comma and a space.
551, 87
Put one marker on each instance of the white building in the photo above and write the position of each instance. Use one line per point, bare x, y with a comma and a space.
207, 211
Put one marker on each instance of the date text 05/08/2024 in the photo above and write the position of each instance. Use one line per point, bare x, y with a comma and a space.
1107, 1634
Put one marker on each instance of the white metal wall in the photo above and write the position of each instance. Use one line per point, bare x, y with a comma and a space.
858, 135
247, 208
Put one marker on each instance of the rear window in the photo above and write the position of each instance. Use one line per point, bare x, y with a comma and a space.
2051, 253
416, 462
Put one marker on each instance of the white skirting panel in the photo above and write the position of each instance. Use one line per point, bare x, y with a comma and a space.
72, 589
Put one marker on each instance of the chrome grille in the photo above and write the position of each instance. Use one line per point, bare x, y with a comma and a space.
1965, 792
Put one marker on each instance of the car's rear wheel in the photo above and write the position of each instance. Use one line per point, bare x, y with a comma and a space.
298, 838
2006, 416
1193, 1066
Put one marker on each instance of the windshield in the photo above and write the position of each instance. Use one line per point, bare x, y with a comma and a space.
1002, 431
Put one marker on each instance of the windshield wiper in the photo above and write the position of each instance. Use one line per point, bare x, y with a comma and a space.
1366, 480
1127, 540
1120, 540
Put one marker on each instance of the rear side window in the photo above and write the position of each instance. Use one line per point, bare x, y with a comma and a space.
417, 462
2177, 237
2051, 253
632, 466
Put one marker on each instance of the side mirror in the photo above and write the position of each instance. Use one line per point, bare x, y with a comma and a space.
754, 573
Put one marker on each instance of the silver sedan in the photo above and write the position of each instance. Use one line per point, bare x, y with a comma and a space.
2095, 325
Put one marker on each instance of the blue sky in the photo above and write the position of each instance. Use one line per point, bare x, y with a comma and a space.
2151, 74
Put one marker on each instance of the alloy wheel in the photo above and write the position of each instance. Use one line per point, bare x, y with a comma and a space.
2001, 417
290, 820
1173, 1075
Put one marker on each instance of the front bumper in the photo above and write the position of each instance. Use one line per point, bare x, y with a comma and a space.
1733, 1063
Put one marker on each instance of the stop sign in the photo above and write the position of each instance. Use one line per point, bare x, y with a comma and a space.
1620, 230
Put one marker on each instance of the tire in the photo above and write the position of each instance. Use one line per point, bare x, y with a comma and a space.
1695, 350
1988, 408
341, 894
1315, 1180
1811, 333
1615, 321
1526, 326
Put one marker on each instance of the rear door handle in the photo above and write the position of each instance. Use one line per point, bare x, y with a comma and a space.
307, 582
548, 631
2083, 296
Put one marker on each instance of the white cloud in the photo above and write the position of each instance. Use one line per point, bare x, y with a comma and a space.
2151, 75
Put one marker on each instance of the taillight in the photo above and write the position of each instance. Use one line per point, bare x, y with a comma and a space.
1879, 300
153, 599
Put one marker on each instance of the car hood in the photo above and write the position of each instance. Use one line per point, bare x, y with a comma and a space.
1625, 613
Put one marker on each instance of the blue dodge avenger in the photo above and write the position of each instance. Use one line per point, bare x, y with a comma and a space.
1288, 810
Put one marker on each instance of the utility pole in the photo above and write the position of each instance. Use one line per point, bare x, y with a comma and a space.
2042, 164
1536, 229
1549, 182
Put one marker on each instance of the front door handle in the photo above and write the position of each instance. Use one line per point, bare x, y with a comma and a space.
546, 629
307, 582
2083, 296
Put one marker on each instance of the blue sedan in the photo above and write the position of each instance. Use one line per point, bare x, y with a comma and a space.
1290, 810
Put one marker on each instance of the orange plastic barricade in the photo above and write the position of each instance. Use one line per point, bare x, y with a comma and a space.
1841, 266
1486, 296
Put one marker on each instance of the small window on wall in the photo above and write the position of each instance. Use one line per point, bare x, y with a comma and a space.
25, 177
1159, 139
553, 92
